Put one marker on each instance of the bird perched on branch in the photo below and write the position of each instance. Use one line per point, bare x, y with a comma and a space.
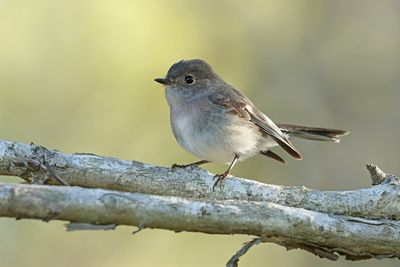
217, 123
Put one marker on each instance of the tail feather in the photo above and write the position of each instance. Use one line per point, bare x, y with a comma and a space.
273, 155
313, 133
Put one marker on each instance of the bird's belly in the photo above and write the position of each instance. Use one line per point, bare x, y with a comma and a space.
216, 139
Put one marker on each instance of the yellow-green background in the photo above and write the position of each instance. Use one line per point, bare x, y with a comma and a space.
78, 76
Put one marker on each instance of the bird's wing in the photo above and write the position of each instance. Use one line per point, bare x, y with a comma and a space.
232, 102
270, 128
235, 102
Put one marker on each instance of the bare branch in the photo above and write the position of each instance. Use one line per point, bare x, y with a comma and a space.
88, 170
319, 233
325, 223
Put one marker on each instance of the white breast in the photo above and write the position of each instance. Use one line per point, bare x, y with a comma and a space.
210, 136
215, 142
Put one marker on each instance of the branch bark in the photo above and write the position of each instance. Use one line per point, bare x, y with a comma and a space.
292, 227
89, 170
359, 224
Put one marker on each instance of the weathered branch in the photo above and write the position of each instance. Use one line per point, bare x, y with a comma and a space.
359, 224
88, 170
291, 227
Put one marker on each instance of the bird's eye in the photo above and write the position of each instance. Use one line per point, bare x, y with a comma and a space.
189, 79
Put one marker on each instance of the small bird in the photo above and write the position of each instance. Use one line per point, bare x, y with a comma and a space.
217, 123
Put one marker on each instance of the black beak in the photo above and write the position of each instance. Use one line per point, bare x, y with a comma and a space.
163, 81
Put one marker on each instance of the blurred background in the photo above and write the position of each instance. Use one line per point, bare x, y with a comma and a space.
78, 76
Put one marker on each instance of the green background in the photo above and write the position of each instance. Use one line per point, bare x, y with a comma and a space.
78, 76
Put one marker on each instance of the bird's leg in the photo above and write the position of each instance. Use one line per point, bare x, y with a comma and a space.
221, 177
197, 163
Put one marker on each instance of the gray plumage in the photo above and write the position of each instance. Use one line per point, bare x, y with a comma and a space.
216, 122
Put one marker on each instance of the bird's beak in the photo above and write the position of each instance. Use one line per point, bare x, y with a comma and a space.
163, 81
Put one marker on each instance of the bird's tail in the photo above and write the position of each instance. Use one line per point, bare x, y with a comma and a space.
313, 133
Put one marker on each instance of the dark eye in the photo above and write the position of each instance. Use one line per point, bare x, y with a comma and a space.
189, 79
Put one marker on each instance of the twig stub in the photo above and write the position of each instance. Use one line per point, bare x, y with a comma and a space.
377, 175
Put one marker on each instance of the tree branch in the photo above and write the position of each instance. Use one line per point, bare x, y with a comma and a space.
359, 224
89, 170
291, 227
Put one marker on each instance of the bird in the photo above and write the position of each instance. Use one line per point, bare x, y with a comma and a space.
217, 123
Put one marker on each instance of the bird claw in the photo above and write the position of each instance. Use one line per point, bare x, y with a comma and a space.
219, 179
177, 166
197, 163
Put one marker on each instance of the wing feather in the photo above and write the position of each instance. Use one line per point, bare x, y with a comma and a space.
236, 103
272, 130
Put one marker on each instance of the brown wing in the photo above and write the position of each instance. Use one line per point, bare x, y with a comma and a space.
272, 130
236, 103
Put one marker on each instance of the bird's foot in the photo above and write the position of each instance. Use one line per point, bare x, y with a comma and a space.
219, 179
197, 163
178, 166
